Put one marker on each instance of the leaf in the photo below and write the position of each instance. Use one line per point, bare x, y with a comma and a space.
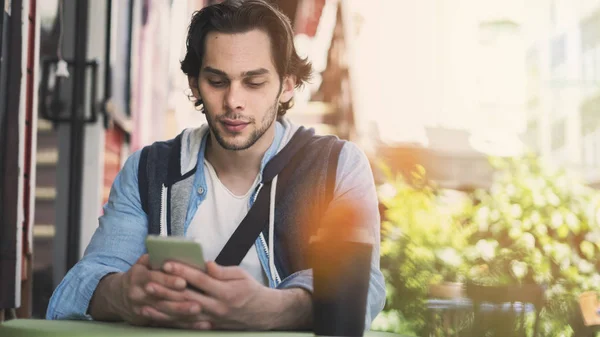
420, 170
515, 233
562, 231
573, 223
587, 248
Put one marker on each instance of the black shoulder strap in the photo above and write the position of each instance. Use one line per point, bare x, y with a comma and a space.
332, 169
143, 178
252, 225
247, 231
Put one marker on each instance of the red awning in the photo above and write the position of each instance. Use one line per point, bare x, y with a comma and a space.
308, 15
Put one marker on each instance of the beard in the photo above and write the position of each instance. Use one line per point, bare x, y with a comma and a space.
257, 133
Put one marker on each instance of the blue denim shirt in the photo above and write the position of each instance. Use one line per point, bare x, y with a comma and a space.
119, 240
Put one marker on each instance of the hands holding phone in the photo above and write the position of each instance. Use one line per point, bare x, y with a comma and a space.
152, 297
230, 297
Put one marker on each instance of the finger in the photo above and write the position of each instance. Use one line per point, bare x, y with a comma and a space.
135, 279
160, 292
178, 309
170, 281
225, 273
204, 325
197, 278
160, 318
210, 305
155, 315
144, 260
163, 320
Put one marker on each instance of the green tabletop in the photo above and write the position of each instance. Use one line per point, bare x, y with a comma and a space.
39, 327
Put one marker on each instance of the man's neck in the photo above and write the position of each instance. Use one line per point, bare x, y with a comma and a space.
237, 169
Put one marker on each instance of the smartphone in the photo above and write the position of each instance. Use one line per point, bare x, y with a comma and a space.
173, 248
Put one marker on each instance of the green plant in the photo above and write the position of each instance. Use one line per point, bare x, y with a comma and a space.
422, 244
537, 224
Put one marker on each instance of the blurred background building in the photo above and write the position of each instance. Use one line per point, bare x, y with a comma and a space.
439, 83
563, 84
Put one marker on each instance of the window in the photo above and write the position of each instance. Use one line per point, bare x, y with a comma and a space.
561, 155
590, 45
558, 134
532, 135
558, 51
597, 65
589, 151
590, 131
588, 66
533, 75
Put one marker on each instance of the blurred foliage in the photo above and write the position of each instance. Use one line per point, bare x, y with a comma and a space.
422, 243
536, 224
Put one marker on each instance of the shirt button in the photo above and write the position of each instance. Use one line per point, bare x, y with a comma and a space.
200, 190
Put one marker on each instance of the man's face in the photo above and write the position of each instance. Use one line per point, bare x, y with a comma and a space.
240, 88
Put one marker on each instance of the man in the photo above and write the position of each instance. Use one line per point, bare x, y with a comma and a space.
242, 69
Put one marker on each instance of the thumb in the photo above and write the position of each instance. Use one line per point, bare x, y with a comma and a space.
144, 260
224, 272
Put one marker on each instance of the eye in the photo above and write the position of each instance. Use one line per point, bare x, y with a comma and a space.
217, 84
255, 84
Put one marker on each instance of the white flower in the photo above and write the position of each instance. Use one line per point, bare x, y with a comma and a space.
562, 253
541, 229
564, 264
483, 213
556, 219
535, 217
516, 210
387, 191
518, 268
571, 220
585, 267
449, 256
495, 215
510, 190
561, 182
515, 232
527, 240
486, 249
553, 198
538, 200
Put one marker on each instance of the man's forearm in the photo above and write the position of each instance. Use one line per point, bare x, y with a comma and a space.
107, 299
293, 309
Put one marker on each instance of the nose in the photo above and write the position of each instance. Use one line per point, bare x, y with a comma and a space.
235, 97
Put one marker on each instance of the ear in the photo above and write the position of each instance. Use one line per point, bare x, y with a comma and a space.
287, 89
193, 83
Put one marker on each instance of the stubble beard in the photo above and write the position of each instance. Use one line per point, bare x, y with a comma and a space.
265, 124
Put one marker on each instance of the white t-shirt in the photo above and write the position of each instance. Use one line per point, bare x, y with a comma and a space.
218, 217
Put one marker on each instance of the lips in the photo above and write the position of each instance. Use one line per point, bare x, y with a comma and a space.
234, 125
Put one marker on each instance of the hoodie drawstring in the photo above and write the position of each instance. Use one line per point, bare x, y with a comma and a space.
274, 274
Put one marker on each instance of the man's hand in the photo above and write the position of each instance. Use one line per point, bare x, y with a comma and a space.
232, 299
142, 296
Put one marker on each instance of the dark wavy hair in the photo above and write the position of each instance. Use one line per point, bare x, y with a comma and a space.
239, 16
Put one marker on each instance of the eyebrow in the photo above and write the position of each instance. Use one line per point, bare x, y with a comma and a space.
249, 73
